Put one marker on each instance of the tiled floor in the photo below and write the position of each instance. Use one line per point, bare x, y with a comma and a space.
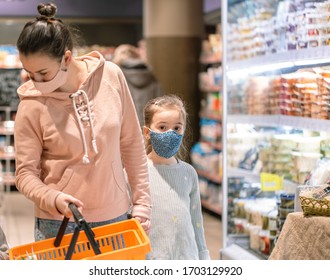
17, 221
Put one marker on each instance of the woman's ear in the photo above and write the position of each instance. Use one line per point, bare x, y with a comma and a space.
67, 57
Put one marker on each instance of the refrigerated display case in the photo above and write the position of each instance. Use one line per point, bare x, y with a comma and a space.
275, 74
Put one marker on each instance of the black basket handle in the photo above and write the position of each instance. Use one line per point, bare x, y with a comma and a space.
81, 224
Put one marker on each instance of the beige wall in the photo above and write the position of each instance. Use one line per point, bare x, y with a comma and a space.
173, 31
182, 18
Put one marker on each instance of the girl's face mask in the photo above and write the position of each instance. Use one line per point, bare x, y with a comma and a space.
165, 144
58, 81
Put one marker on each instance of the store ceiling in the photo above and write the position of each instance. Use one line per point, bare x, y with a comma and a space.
75, 8
114, 9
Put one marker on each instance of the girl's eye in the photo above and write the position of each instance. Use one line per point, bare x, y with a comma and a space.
162, 127
178, 128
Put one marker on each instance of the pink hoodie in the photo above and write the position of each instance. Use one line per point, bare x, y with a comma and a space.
50, 144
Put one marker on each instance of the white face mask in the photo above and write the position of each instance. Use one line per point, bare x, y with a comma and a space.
58, 81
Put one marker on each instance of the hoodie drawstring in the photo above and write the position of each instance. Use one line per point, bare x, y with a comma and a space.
81, 116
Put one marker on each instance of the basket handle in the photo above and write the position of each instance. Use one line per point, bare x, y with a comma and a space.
81, 224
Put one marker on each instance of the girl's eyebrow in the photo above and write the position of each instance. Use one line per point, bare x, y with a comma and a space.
165, 122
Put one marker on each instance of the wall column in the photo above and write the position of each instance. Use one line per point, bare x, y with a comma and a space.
173, 31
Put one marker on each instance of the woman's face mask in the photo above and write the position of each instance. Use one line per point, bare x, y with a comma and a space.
165, 144
58, 81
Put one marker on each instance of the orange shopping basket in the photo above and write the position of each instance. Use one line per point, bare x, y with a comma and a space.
124, 240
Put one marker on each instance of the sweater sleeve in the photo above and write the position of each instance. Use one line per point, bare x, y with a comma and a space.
197, 219
134, 155
28, 149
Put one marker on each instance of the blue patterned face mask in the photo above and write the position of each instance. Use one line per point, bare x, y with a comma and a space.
166, 144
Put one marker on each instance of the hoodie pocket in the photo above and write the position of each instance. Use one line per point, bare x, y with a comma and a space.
67, 175
118, 174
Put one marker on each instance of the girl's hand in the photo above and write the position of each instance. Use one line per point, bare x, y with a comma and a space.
62, 204
145, 223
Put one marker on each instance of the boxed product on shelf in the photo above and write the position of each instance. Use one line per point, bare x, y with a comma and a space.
240, 143
257, 220
9, 57
210, 130
211, 106
210, 79
206, 158
277, 27
211, 49
304, 161
303, 93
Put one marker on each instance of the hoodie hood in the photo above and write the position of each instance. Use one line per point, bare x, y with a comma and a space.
93, 60
137, 73
79, 99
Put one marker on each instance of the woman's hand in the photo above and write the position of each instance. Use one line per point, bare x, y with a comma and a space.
145, 223
62, 204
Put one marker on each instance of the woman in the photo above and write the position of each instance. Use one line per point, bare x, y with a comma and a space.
75, 130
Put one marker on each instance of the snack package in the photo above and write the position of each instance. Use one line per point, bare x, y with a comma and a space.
320, 175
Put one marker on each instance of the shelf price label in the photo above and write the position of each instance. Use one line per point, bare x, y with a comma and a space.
270, 182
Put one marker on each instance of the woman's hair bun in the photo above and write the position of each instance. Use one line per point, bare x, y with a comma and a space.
47, 10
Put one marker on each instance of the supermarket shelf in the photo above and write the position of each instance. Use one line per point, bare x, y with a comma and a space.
248, 175
4, 156
207, 175
9, 178
217, 146
282, 120
288, 186
213, 207
210, 116
237, 252
234, 2
6, 131
210, 60
211, 89
302, 57
239, 249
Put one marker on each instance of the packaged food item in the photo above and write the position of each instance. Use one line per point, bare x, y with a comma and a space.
264, 242
322, 191
287, 201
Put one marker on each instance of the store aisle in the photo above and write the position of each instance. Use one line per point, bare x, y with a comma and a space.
213, 234
17, 221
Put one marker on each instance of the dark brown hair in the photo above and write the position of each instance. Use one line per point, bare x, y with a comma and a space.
46, 34
166, 102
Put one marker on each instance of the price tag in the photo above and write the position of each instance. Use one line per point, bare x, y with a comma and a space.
271, 182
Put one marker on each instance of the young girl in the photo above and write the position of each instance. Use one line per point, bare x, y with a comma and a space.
177, 224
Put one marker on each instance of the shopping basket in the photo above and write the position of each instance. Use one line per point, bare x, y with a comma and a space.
125, 240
